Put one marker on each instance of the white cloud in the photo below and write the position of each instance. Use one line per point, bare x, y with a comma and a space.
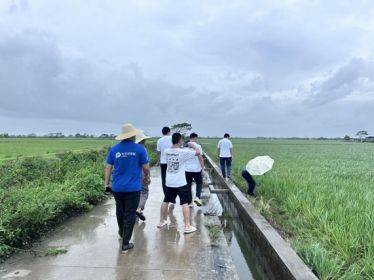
249, 67
354, 79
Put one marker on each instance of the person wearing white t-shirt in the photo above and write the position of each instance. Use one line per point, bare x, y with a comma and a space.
194, 170
176, 184
224, 151
162, 144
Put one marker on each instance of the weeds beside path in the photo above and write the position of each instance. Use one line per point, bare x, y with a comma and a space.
36, 193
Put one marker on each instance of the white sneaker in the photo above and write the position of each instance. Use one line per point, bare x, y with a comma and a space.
198, 201
190, 229
162, 224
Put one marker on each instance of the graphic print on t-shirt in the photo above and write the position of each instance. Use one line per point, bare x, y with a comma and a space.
173, 163
176, 160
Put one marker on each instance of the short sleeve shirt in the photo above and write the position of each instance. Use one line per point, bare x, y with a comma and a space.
193, 164
224, 146
162, 144
127, 158
176, 159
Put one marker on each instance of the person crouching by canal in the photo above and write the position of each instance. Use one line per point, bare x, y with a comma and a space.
127, 162
140, 139
194, 170
250, 182
176, 184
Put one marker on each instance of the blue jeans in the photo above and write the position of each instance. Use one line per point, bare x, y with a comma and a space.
225, 163
251, 183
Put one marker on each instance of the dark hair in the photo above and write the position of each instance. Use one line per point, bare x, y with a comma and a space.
176, 137
226, 135
193, 135
165, 130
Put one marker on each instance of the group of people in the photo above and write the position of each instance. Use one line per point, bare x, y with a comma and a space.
225, 154
179, 168
127, 176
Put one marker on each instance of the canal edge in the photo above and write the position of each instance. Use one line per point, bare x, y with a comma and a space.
279, 260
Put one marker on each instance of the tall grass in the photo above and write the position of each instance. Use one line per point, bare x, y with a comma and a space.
322, 194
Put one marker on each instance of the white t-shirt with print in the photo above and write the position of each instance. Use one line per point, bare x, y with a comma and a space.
224, 146
176, 159
162, 144
193, 164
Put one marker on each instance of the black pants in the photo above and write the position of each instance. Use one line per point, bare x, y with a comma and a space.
250, 181
126, 205
163, 166
198, 178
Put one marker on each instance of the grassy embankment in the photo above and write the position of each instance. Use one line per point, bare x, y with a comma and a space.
38, 192
321, 194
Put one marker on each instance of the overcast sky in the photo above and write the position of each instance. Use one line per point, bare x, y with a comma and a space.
251, 68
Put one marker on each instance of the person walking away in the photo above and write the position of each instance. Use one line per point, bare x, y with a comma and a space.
127, 162
194, 171
224, 151
162, 144
250, 182
141, 139
176, 184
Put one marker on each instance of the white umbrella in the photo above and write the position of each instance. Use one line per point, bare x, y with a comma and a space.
259, 165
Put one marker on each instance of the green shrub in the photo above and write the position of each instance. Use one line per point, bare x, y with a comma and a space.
151, 149
36, 193
55, 251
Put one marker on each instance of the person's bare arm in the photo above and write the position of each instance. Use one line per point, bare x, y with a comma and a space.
158, 158
192, 146
108, 174
201, 159
146, 174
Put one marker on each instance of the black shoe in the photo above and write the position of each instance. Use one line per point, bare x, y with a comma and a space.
252, 194
140, 216
127, 247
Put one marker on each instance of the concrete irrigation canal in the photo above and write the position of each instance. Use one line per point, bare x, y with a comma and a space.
245, 247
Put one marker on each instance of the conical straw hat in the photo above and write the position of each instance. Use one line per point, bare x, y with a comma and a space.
128, 131
140, 137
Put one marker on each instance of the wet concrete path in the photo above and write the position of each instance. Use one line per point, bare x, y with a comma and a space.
94, 249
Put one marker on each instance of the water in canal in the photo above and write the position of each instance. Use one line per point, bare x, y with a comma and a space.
243, 258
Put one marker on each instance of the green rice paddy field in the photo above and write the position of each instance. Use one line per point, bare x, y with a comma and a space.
11, 148
320, 195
